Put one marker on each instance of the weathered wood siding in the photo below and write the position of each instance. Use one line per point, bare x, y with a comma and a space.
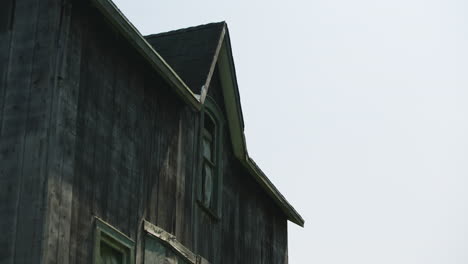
29, 35
89, 129
127, 143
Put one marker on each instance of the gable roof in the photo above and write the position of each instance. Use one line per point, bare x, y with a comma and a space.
222, 57
189, 51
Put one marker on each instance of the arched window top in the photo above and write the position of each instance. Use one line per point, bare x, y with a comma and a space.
211, 108
209, 123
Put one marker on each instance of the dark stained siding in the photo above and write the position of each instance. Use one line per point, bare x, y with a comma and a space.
127, 143
28, 34
23, 133
255, 226
135, 158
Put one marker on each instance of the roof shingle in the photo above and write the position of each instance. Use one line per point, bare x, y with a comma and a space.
189, 51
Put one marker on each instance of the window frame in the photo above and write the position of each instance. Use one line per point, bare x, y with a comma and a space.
113, 238
211, 110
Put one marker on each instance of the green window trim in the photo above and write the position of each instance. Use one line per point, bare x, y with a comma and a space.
109, 240
211, 179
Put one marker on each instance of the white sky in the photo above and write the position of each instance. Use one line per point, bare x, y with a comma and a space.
358, 112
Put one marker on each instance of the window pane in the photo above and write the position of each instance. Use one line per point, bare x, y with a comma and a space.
207, 149
207, 184
110, 255
209, 124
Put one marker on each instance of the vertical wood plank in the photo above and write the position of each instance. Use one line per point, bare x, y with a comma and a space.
135, 157
6, 184
61, 176
23, 132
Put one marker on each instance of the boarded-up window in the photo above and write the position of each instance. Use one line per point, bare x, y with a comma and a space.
163, 248
157, 253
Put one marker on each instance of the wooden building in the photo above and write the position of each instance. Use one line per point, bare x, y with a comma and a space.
118, 148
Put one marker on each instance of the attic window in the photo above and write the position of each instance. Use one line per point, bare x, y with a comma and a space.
209, 162
211, 178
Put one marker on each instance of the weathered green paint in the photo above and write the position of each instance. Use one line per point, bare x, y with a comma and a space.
113, 238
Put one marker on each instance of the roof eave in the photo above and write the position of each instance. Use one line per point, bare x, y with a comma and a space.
204, 90
281, 201
232, 98
126, 28
236, 127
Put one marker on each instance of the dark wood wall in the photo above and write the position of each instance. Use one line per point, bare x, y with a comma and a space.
127, 139
106, 136
29, 44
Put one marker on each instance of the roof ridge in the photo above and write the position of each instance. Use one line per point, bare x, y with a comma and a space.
184, 30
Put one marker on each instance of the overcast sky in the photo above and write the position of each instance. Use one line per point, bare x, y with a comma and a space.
358, 112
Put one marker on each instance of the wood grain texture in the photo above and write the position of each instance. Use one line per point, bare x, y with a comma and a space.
28, 52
